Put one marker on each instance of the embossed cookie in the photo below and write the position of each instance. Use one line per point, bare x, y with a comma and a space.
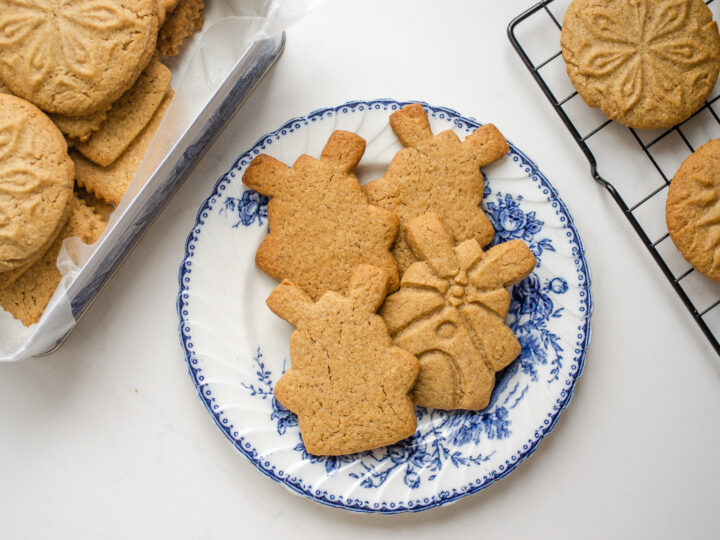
28, 296
437, 174
321, 225
647, 64
36, 182
450, 312
80, 128
183, 22
693, 209
110, 183
9, 276
128, 116
348, 384
75, 58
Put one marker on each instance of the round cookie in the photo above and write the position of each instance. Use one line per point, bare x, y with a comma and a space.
75, 58
692, 210
647, 64
36, 182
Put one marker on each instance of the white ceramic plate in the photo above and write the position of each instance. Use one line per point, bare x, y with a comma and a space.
236, 349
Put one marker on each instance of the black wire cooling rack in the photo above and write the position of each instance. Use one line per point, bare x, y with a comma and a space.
655, 156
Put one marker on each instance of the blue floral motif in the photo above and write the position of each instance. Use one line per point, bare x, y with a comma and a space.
531, 307
510, 222
444, 437
421, 456
264, 390
249, 207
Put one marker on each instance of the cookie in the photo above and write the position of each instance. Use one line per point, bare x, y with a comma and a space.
100, 207
648, 64
165, 8
9, 276
80, 128
110, 183
321, 225
28, 296
75, 58
348, 384
36, 182
437, 174
128, 116
185, 20
450, 313
693, 209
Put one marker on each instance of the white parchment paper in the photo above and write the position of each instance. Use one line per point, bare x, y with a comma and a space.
206, 60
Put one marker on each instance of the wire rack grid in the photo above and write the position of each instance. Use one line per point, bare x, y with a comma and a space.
641, 163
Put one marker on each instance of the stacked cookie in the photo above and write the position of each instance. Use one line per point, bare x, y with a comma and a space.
362, 358
83, 74
651, 65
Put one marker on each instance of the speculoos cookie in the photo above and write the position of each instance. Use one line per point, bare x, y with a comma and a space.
693, 209
438, 174
348, 384
321, 225
647, 64
450, 313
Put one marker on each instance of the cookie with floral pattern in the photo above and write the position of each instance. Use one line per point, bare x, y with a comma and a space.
450, 313
348, 384
75, 58
646, 63
438, 174
693, 209
36, 183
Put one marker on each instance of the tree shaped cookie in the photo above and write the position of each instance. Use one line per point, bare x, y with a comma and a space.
321, 224
437, 174
348, 384
450, 313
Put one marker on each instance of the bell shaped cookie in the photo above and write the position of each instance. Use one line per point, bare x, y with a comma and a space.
348, 384
437, 174
450, 312
321, 225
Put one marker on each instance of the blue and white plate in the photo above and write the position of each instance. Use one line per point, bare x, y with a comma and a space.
236, 349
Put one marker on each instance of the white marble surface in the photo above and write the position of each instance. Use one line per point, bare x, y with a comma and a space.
107, 439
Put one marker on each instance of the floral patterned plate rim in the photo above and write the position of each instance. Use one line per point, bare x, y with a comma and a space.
236, 350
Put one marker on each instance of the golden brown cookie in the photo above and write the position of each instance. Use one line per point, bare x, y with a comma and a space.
185, 20
647, 64
75, 58
437, 174
36, 181
348, 384
693, 209
80, 128
28, 296
100, 207
450, 312
9, 276
110, 183
128, 116
321, 225
165, 8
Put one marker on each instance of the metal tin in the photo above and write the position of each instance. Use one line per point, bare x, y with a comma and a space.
169, 175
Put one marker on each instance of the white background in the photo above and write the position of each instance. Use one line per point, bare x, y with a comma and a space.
107, 439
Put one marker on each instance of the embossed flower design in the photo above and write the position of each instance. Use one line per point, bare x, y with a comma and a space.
657, 56
16, 177
450, 312
57, 32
